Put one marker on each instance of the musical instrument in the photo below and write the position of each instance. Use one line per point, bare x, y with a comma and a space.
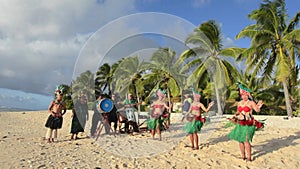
105, 105
130, 114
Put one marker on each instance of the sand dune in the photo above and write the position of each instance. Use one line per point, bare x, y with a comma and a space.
23, 146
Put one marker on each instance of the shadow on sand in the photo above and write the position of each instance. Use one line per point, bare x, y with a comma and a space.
275, 144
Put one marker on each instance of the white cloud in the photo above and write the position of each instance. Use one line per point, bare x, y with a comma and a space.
228, 42
40, 40
17, 99
200, 3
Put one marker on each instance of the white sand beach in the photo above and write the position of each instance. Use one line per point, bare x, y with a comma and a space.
23, 146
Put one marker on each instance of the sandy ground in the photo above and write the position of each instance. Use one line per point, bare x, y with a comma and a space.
23, 146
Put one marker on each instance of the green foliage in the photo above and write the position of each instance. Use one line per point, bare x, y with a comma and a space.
69, 104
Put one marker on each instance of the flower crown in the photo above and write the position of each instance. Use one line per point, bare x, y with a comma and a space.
60, 89
161, 91
244, 90
196, 92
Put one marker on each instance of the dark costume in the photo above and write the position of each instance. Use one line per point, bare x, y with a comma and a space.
55, 122
113, 117
79, 118
97, 117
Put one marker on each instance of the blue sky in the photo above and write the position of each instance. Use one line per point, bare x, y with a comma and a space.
40, 41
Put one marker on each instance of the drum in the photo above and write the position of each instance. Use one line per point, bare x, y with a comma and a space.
105, 105
130, 114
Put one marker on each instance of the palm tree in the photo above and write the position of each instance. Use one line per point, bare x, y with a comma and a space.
273, 44
84, 84
164, 72
104, 77
207, 58
127, 77
295, 91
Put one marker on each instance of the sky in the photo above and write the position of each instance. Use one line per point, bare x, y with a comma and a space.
42, 41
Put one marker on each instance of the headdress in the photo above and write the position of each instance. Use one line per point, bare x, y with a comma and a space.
195, 92
60, 89
244, 90
160, 91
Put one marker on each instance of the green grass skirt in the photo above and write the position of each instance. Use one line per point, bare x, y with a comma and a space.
153, 122
193, 126
240, 132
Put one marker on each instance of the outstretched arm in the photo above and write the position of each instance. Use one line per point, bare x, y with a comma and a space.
257, 106
209, 106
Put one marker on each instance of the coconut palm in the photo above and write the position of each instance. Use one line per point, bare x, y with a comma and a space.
127, 77
273, 44
84, 84
104, 75
164, 72
206, 57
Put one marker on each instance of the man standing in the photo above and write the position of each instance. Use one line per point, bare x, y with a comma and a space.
130, 104
186, 105
55, 118
97, 117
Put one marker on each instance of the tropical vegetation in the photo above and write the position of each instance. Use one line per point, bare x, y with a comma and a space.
272, 63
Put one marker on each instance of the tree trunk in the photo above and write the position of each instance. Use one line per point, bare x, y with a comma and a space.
169, 100
139, 106
220, 112
287, 98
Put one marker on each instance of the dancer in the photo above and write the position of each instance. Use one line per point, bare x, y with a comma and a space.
196, 121
158, 107
245, 123
55, 118
80, 115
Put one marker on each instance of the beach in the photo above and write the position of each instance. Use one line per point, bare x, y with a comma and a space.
23, 145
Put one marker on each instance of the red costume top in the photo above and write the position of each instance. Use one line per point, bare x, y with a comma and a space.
158, 106
244, 108
195, 108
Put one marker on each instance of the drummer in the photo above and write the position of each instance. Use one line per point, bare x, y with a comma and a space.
129, 102
97, 117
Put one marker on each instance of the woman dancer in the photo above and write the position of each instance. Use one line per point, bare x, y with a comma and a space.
79, 117
245, 122
158, 107
195, 122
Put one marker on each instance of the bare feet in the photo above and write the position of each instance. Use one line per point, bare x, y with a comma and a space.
48, 140
195, 148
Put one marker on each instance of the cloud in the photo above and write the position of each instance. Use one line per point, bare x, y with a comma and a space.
40, 41
200, 3
22, 100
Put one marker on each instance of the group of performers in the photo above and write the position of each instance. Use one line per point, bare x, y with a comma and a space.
245, 124
57, 109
